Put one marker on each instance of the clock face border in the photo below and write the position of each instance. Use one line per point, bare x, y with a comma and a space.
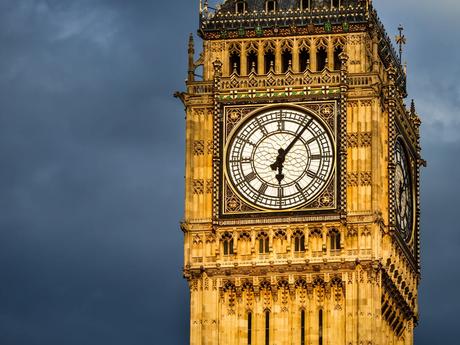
234, 116
407, 235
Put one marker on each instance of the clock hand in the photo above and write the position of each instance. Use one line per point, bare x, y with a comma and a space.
401, 190
297, 137
282, 153
278, 165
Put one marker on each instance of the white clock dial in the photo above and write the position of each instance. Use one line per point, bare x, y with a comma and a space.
280, 159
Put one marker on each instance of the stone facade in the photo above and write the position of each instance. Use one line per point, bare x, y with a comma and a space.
337, 271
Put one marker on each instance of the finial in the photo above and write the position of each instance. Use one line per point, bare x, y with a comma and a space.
191, 58
412, 107
235, 68
272, 66
401, 41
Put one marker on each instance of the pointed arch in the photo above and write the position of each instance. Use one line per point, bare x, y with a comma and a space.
234, 53
227, 243
264, 242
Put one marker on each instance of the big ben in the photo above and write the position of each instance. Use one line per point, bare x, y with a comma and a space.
302, 175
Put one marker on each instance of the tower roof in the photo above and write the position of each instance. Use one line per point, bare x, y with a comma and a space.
237, 19
283, 5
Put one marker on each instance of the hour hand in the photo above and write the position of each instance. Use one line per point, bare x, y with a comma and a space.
279, 160
278, 165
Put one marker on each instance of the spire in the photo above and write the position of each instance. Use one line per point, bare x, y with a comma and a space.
401, 41
191, 58
412, 108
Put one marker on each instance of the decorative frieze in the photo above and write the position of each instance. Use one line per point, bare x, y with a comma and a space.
356, 179
198, 186
359, 139
198, 147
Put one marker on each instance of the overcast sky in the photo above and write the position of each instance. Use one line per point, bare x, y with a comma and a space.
91, 174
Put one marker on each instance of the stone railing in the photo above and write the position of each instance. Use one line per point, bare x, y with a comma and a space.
199, 87
226, 20
272, 80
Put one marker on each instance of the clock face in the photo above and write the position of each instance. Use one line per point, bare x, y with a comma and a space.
280, 159
403, 189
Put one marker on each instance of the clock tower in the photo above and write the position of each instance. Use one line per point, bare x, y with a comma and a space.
301, 222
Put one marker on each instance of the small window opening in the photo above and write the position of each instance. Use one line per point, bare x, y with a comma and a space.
235, 63
263, 243
320, 327
267, 328
337, 62
241, 7
299, 241
335, 240
252, 62
304, 59
227, 241
304, 4
321, 59
302, 327
286, 58
269, 59
336, 3
271, 5
249, 328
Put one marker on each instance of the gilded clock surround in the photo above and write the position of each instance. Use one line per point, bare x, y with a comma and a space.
234, 116
342, 266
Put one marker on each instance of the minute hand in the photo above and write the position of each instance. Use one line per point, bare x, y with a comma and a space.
297, 137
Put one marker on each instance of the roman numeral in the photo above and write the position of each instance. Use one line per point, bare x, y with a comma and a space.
263, 188
311, 174
251, 176
301, 191
311, 140
316, 157
314, 175
280, 193
261, 127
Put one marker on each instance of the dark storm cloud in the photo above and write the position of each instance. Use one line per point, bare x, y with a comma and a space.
92, 170
433, 71
91, 178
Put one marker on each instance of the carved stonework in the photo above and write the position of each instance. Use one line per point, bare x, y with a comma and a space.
198, 186
356, 179
361, 139
198, 147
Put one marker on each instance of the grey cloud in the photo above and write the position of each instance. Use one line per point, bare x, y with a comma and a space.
91, 179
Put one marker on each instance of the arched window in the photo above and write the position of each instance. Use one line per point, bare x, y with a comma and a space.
299, 241
334, 236
304, 4
304, 59
241, 7
321, 58
316, 239
244, 243
249, 328
336, 3
302, 327
227, 242
337, 63
320, 319
271, 6
280, 240
252, 61
264, 243
269, 58
286, 59
267, 327
235, 62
